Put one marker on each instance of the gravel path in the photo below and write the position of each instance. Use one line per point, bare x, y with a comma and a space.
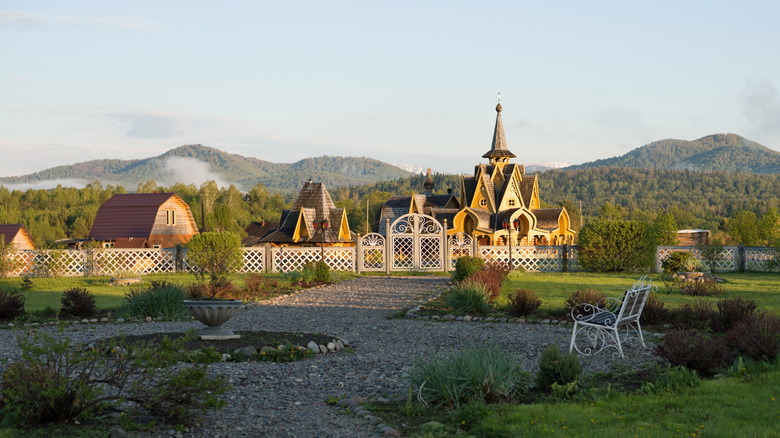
288, 400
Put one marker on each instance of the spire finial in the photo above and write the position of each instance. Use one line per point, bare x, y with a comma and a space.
498, 107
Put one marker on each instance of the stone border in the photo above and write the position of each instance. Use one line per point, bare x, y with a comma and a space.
354, 405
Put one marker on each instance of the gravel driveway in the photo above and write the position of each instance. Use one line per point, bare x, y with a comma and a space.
288, 400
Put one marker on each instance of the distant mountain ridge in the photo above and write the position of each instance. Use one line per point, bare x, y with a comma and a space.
718, 152
187, 163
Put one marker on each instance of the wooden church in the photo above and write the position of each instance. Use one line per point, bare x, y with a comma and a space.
501, 200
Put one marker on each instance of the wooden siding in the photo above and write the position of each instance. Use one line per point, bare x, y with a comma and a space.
16, 235
170, 235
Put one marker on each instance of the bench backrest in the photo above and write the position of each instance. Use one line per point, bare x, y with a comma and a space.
633, 302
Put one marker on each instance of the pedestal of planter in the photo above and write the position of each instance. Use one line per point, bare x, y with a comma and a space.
213, 314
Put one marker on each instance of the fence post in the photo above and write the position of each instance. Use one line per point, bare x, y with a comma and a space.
656, 259
388, 247
445, 249
741, 258
177, 259
565, 258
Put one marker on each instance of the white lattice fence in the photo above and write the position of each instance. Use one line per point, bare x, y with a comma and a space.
21, 263
139, 261
572, 259
724, 261
530, 258
254, 260
373, 247
461, 245
289, 259
762, 260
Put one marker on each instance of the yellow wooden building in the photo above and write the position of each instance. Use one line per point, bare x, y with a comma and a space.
501, 195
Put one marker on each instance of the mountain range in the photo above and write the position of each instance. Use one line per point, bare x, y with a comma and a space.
193, 164
718, 152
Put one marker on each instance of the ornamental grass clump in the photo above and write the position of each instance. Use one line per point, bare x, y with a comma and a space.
469, 297
556, 367
474, 373
78, 302
158, 300
523, 302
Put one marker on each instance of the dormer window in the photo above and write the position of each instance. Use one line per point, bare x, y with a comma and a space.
170, 217
511, 202
483, 202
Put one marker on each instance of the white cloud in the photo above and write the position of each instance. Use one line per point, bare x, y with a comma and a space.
48, 184
153, 125
761, 106
20, 20
190, 171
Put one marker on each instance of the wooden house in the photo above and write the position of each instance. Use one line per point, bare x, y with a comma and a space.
501, 193
303, 224
693, 237
143, 220
441, 207
16, 236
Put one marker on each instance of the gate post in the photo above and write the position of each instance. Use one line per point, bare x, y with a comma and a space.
388, 246
445, 249
358, 254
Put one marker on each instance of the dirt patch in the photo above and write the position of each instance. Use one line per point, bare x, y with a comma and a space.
257, 339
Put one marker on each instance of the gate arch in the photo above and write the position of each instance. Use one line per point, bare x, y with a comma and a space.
416, 243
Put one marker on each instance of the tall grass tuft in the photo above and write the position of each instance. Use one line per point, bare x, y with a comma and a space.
158, 300
469, 297
474, 373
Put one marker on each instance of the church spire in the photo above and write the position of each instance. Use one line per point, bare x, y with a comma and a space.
498, 152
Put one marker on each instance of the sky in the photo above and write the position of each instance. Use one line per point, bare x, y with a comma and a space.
411, 82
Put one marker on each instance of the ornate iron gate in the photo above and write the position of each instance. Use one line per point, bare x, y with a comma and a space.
417, 243
461, 245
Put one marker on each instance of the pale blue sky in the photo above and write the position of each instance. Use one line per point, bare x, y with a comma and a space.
404, 81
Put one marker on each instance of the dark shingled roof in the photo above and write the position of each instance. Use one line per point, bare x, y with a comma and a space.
527, 189
547, 218
498, 147
131, 215
9, 231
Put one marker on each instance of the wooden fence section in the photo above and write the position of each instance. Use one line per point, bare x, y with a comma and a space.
372, 253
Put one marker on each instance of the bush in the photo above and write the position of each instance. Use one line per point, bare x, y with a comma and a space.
54, 381
731, 311
613, 246
215, 254
11, 304
557, 367
523, 302
158, 300
258, 286
701, 288
757, 336
584, 296
697, 314
469, 297
695, 350
315, 272
78, 302
475, 373
681, 261
465, 267
491, 277
654, 311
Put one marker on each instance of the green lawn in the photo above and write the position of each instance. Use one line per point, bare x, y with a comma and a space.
728, 407
554, 288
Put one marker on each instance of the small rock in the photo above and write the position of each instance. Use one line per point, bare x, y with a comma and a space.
389, 431
521, 320
104, 319
120, 320
148, 319
489, 319
339, 345
313, 346
10, 324
435, 317
502, 320
93, 320
344, 341
448, 317
246, 351
460, 318
323, 349
544, 321
85, 321
117, 432
372, 419
331, 346
467, 318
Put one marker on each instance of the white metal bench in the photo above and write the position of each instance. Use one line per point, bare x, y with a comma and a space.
600, 325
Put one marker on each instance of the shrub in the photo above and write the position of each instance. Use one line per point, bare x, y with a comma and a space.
474, 373
695, 350
757, 335
54, 381
158, 300
654, 311
215, 254
701, 288
465, 267
11, 304
259, 286
697, 314
681, 261
491, 277
731, 311
584, 296
469, 297
612, 246
78, 302
557, 367
523, 302
315, 272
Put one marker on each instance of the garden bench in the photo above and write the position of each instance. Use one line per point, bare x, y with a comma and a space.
600, 325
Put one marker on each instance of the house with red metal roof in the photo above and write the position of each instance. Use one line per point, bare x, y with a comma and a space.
143, 220
16, 235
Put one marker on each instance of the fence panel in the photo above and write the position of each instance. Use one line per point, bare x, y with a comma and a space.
254, 260
292, 259
530, 258
762, 259
138, 261
373, 247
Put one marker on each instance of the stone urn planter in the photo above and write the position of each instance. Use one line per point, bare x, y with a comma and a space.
214, 313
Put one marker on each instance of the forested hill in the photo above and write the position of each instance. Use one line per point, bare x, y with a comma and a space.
719, 152
178, 164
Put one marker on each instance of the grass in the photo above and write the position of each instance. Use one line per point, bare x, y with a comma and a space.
47, 292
